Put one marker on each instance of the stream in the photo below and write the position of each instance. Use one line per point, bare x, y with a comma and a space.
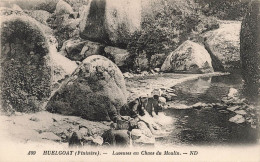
207, 126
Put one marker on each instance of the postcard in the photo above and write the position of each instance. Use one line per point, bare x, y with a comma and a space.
130, 80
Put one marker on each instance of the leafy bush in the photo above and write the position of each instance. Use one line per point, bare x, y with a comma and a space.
49, 6
224, 9
165, 31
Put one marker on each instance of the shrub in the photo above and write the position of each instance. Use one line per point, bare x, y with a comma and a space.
49, 6
224, 9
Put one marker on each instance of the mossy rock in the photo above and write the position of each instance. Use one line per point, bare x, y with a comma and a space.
26, 75
95, 91
250, 48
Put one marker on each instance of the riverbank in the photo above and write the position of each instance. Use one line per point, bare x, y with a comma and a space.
45, 127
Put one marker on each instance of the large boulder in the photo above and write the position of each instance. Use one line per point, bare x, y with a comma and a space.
189, 57
223, 45
96, 91
25, 68
122, 17
78, 50
92, 21
6, 12
63, 8
109, 21
250, 48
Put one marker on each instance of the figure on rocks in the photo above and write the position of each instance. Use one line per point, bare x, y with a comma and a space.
142, 104
146, 109
74, 140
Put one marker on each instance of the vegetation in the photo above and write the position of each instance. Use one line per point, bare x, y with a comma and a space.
25, 75
169, 27
224, 9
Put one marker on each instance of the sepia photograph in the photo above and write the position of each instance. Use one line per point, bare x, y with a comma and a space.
130, 80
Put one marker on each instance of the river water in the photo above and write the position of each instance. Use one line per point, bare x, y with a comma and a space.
207, 126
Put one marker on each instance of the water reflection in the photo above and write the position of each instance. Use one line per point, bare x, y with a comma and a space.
197, 86
207, 125
207, 90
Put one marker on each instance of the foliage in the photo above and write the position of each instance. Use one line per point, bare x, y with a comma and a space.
49, 6
224, 9
165, 31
